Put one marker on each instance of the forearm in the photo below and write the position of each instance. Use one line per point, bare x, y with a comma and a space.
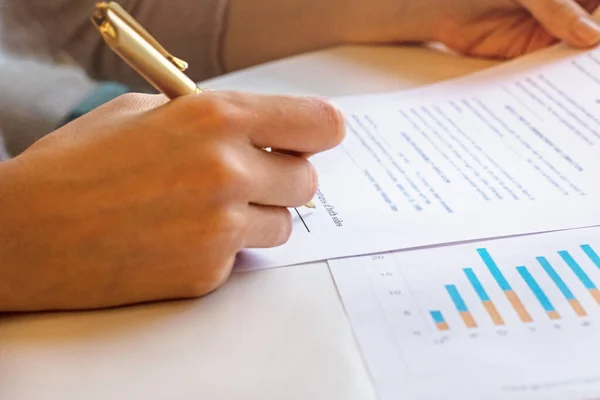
263, 30
190, 29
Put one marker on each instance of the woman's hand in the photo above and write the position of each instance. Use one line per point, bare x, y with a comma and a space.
482, 28
144, 200
509, 28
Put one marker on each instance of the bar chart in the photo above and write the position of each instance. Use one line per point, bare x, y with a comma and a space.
439, 320
484, 297
521, 307
532, 284
563, 287
461, 307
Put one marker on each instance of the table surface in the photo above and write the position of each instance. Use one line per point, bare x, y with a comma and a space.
274, 334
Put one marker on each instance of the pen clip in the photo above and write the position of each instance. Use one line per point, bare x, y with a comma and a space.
101, 18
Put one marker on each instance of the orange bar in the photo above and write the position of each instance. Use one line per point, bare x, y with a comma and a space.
518, 306
578, 308
443, 326
595, 294
494, 314
468, 319
553, 314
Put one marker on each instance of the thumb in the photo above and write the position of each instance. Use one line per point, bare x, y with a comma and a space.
566, 20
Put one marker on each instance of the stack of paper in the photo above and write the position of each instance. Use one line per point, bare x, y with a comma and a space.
507, 152
515, 318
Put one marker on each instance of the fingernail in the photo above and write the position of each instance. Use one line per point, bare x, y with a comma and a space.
587, 31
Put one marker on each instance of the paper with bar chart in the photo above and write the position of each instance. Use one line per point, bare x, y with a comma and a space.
515, 318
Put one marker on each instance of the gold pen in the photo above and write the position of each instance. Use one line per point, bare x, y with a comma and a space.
142, 52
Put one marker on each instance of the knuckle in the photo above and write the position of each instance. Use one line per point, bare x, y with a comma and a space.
228, 226
228, 175
219, 112
231, 223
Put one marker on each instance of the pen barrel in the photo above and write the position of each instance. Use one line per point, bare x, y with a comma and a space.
149, 62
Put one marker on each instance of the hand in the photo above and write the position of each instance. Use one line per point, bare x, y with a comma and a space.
483, 28
510, 28
142, 200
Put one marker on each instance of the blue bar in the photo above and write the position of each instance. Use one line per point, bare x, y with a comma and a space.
491, 264
583, 277
457, 298
536, 289
556, 278
438, 318
476, 284
587, 249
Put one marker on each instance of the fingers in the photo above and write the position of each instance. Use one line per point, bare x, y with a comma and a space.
267, 226
281, 180
566, 20
302, 125
294, 124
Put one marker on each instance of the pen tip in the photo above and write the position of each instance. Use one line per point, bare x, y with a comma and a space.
310, 204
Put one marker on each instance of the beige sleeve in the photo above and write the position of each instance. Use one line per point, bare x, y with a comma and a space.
190, 29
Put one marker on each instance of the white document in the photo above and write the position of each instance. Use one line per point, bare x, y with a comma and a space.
505, 152
515, 318
528, 137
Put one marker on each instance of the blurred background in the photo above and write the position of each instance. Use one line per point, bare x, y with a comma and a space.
38, 95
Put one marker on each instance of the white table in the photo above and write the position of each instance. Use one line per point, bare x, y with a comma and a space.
278, 334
